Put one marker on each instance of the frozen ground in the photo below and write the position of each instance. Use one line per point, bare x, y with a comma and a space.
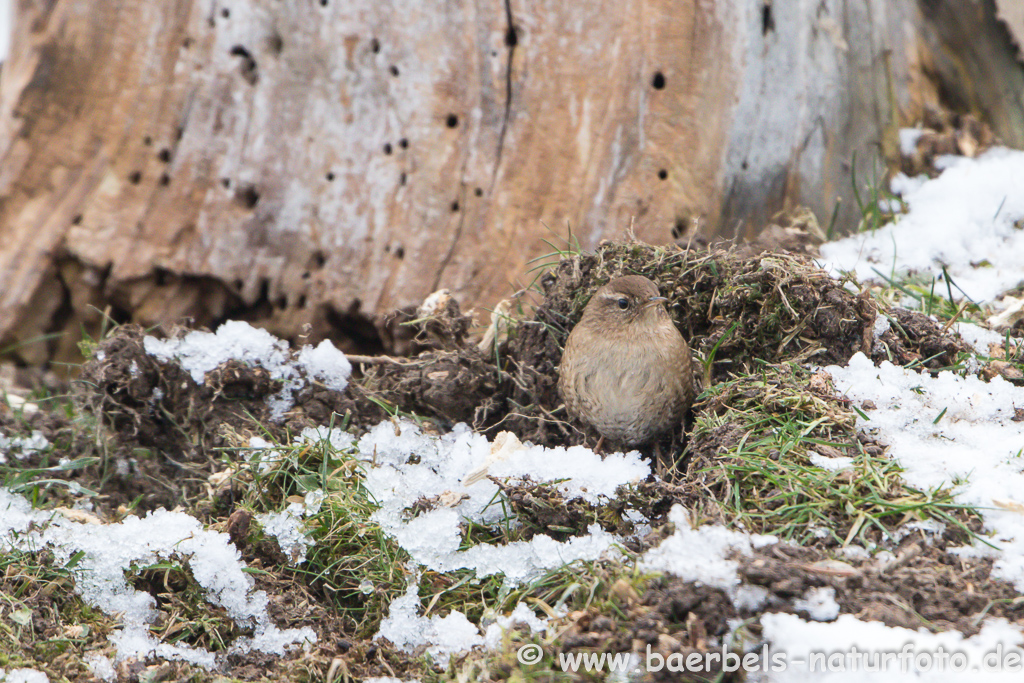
943, 431
969, 220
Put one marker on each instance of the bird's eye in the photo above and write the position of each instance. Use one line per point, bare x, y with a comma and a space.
623, 303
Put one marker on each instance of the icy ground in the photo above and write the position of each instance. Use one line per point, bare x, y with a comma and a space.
942, 430
970, 219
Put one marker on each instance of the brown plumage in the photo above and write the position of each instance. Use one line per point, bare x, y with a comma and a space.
626, 369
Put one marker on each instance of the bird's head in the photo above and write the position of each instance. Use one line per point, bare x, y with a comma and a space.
626, 303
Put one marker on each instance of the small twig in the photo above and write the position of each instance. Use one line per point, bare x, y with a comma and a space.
959, 312
375, 360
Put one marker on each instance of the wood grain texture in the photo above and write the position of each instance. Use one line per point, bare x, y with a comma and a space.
330, 161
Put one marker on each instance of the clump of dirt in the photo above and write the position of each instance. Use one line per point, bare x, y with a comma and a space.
922, 585
915, 338
671, 617
164, 426
39, 604
945, 132
737, 310
154, 405
544, 510
452, 386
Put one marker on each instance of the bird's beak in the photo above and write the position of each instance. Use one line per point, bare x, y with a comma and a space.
654, 301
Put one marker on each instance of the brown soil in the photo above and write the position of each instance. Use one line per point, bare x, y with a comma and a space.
158, 448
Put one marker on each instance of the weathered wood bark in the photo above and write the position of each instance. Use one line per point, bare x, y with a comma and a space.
329, 161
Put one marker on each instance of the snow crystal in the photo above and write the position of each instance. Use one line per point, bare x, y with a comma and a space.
108, 550
965, 216
979, 338
101, 667
200, 352
407, 630
700, 554
908, 140
22, 447
796, 645
327, 364
881, 326
948, 430
23, 676
835, 464
448, 469
450, 635
819, 603
339, 439
289, 529
750, 597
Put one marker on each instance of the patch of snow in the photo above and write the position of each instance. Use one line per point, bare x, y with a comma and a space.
288, 527
881, 326
965, 216
108, 550
442, 637
979, 338
836, 464
855, 552
22, 447
446, 469
201, 352
262, 454
750, 597
520, 615
339, 439
23, 676
902, 184
930, 528
949, 430
908, 140
818, 603
101, 667
851, 650
702, 554
641, 525
327, 364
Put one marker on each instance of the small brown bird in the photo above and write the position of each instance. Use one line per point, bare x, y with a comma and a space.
626, 368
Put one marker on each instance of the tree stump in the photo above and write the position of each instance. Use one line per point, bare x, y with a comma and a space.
328, 162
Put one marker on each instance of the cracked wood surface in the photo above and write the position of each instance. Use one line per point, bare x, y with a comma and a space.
328, 162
